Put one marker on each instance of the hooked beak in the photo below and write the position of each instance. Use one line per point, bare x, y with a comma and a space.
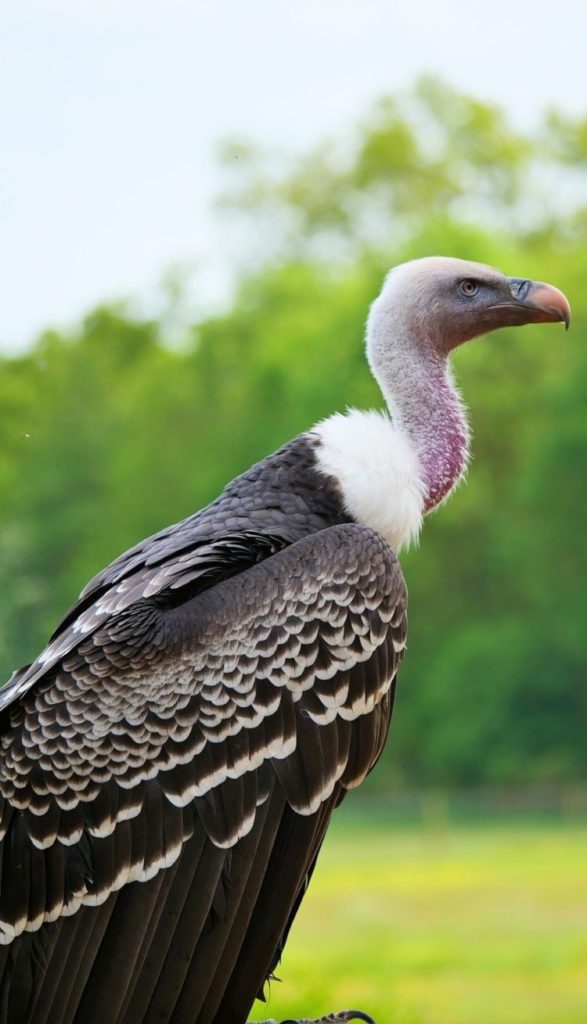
534, 302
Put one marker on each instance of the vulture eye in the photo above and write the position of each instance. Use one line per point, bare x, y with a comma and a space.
469, 287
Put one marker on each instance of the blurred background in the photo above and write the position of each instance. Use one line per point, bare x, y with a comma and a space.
198, 203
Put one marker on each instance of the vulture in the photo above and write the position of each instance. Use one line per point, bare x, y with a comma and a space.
170, 762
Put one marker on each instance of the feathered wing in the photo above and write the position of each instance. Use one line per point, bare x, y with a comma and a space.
195, 746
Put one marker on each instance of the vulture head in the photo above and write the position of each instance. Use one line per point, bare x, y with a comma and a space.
426, 309
440, 302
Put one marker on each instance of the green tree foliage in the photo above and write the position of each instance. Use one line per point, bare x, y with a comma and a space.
109, 433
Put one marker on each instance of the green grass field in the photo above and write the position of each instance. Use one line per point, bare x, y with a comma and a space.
480, 924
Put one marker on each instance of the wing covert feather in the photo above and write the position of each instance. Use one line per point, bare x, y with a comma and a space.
166, 713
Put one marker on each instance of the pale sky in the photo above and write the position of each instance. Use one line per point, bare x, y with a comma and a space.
110, 111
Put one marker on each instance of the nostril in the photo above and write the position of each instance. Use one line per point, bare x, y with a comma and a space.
519, 287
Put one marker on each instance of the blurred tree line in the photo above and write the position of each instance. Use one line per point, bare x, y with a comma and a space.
107, 433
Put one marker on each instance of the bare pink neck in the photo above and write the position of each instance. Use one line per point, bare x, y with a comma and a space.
426, 408
442, 442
